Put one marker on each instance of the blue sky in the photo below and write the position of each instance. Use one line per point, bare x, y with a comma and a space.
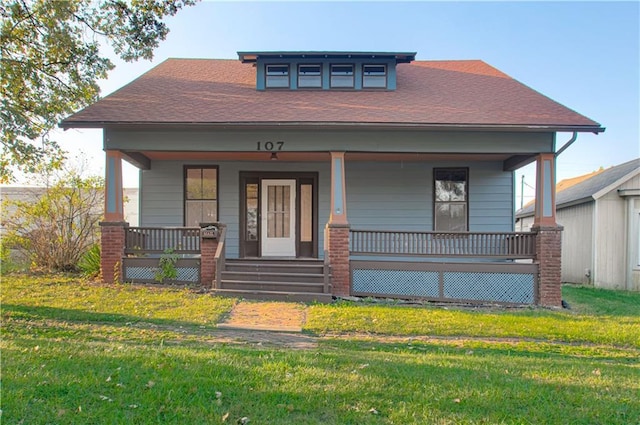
584, 55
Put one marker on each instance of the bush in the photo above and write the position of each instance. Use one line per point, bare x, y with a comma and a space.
89, 263
57, 224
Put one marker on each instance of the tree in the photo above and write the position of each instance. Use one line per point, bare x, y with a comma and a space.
56, 224
51, 62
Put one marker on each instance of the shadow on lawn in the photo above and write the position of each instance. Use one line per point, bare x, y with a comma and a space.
24, 312
334, 386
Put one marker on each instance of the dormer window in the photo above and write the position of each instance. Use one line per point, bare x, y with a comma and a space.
374, 76
342, 76
309, 76
278, 76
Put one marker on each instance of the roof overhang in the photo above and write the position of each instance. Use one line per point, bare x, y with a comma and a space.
399, 57
335, 125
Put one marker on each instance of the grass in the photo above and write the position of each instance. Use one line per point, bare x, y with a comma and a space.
617, 323
91, 354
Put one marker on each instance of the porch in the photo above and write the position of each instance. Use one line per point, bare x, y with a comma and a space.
469, 267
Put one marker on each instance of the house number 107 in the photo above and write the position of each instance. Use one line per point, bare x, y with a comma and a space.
269, 146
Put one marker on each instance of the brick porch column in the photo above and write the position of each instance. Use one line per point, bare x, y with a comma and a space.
337, 230
208, 249
548, 233
112, 250
548, 257
112, 229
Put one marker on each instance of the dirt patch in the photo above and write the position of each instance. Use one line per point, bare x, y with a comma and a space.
273, 316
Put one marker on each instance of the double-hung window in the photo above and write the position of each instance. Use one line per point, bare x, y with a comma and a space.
277, 76
309, 76
451, 201
374, 76
201, 195
342, 76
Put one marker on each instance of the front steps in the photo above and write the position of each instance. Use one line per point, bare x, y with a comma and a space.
281, 280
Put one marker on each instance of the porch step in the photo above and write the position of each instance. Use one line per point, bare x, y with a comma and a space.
270, 276
275, 295
253, 285
274, 279
273, 266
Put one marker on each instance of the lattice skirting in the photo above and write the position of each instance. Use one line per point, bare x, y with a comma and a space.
143, 270
507, 283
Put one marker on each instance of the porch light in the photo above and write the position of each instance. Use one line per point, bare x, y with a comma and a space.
274, 156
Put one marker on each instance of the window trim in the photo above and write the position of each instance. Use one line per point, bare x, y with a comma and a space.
353, 76
436, 203
319, 86
266, 76
386, 76
185, 170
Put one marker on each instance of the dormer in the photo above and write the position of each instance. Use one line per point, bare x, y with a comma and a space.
326, 70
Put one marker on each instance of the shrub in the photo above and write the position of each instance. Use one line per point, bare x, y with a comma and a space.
89, 263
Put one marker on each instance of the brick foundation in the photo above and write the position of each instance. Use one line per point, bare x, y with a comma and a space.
548, 257
338, 252
112, 250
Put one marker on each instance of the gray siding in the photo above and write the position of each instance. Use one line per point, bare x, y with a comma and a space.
398, 195
327, 140
162, 197
381, 195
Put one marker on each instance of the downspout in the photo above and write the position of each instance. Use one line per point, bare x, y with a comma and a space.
569, 143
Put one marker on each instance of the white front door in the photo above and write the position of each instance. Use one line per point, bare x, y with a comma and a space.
278, 218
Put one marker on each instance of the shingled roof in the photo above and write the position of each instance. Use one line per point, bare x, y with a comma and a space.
586, 189
440, 94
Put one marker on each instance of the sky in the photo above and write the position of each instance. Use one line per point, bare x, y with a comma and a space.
585, 55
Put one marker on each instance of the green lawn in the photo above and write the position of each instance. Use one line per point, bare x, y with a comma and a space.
91, 354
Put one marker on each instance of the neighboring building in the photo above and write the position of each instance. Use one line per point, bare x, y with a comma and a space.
334, 173
600, 213
27, 193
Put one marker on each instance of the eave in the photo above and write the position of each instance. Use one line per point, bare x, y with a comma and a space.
335, 125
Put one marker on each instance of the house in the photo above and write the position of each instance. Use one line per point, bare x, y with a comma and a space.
600, 213
319, 174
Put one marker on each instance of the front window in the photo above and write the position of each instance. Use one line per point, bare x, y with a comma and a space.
374, 76
201, 195
451, 206
309, 76
342, 76
277, 76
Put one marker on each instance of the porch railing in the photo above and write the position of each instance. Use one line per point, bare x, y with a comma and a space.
155, 240
509, 245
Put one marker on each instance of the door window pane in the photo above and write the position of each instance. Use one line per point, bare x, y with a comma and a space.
252, 212
278, 211
306, 218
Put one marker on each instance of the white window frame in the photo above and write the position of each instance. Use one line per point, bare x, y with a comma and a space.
374, 76
302, 74
342, 75
277, 79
